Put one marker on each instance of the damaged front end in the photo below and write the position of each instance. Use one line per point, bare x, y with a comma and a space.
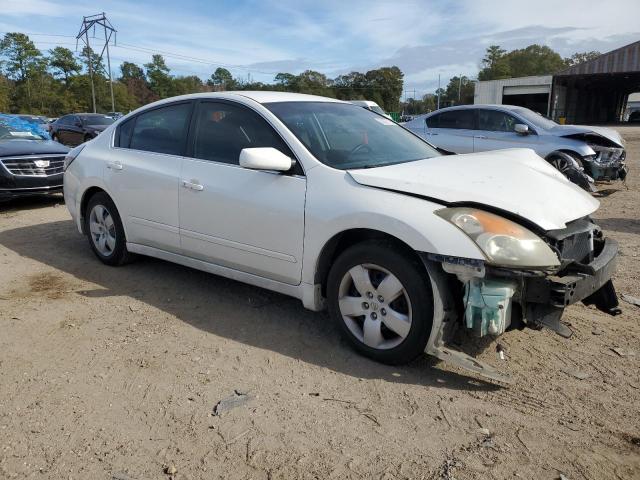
495, 298
608, 160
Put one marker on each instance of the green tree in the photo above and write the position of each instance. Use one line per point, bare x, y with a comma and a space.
20, 55
222, 79
581, 57
131, 71
459, 91
385, 87
494, 64
534, 60
97, 63
185, 85
158, 76
63, 62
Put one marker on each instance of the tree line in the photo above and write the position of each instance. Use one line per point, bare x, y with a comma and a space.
57, 82
498, 63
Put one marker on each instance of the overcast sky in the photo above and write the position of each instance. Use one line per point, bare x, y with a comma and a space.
260, 38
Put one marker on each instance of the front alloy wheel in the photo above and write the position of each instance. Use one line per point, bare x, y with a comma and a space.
381, 298
375, 306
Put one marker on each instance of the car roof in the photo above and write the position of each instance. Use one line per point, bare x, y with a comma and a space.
260, 96
479, 105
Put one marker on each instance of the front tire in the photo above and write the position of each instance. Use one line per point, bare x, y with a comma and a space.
382, 300
105, 231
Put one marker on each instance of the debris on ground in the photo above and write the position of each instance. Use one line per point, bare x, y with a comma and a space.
577, 374
630, 299
623, 352
233, 401
171, 469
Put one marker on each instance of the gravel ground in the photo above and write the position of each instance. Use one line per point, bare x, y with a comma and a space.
113, 373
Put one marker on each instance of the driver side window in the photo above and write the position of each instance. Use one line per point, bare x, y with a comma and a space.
222, 130
496, 121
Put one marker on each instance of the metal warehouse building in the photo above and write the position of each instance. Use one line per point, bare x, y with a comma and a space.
596, 91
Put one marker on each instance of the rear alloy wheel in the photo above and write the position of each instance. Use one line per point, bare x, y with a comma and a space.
105, 231
382, 301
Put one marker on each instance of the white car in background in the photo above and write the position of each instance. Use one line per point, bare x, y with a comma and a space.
342, 208
373, 106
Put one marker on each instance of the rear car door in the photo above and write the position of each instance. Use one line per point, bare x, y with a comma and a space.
143, 174
247, 220
496, 130
452, 130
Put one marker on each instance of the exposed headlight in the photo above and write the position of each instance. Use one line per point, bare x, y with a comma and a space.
503, 242
71, 156
606, 155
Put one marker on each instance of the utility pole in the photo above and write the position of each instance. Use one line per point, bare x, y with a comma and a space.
88, 23
438, 108
459, 87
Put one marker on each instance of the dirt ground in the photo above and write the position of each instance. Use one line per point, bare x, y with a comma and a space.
113, 373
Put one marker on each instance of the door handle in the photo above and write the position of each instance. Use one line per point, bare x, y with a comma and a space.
114, 165
479, 136
193, 185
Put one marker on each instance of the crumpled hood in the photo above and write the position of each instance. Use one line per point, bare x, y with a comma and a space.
516, 180
30, 147
608, 133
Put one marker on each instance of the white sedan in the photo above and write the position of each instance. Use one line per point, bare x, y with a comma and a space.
337, 206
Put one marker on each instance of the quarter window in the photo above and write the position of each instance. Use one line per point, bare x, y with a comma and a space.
161, 130
495, 121
223, 130
457, 119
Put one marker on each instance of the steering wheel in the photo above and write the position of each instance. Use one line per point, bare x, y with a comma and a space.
359, 147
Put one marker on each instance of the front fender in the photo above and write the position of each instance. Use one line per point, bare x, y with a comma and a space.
349, 205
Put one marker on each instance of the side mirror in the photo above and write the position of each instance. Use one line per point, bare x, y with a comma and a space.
265, 158
522, 129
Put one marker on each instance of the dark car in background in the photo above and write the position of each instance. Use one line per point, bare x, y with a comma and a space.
30, 162
78, 128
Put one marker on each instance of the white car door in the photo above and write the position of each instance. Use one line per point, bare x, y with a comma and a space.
143, 174
496, 130
452, 130
248, 220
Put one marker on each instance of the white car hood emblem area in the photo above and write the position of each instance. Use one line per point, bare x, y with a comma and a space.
515, 180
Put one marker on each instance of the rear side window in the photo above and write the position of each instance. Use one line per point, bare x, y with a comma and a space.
223, 130
457, 119
496, 121
125, 130
161, 130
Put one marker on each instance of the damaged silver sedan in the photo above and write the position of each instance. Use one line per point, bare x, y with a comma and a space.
581, 153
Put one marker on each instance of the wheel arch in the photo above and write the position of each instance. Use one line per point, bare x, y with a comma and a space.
347, 238
84, 201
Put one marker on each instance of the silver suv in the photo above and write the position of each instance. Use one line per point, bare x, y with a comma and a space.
581, 153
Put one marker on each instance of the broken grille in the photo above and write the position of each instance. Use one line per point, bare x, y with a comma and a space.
577, 247
34, 166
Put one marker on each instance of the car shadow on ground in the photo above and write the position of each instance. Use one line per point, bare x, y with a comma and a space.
30, 203
622, 225
223, 307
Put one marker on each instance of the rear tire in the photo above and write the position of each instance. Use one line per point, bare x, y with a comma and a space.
392, 330
105, 231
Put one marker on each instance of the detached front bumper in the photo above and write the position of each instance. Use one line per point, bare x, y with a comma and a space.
590, 283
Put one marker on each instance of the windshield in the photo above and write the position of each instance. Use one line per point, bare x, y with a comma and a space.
346, 136
535, 118
96, 119
12, 128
